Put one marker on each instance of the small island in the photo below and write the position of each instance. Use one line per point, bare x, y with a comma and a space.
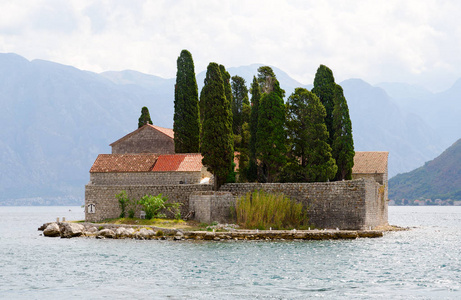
223, 149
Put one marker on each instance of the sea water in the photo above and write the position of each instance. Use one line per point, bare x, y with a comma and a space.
422, 263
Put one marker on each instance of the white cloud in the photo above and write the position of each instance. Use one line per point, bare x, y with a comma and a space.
412, 41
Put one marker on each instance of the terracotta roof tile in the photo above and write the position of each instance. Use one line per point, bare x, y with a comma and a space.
366, 162
179, 162
114, 163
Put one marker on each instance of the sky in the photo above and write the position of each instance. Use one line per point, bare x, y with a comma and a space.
413, 41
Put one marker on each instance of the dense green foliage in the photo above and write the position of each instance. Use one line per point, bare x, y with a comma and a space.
241, 110
252, 172
260, 210
438, 178
186, 124
271, 136
343, 143
217, 140
144, 118
240, 104
227, 91
310, 154
123, 201
152, 205
324, 88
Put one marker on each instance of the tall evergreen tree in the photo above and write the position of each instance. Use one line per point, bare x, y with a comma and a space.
240, 126
186, 119
343, 143
227, 89
144, 118
266, 78
308, 138
217, 142
271, 137
324, 88
239, 99
252, 174
297, 126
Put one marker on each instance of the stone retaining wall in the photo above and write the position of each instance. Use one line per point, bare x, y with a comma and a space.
354, 204
106, 206
212, 206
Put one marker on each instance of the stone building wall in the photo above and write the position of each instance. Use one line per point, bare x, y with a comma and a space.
145, 178
355, 204
381, 178
147, 140
106, 206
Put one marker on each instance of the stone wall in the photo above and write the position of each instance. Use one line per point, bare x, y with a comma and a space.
381, 178
212, 206
148, 140
145, 178
106, 206
354, 204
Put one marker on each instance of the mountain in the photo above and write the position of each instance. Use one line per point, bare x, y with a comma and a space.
56, 119
438, 178
440, 110
379, 124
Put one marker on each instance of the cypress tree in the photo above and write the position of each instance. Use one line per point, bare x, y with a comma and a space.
239, 99
271, 138
227, 89
186, 119
240, 126
255, 99
308, 138
297, 126
343, 143
266, 76
320, 165
217, 142
324, 88
144, 118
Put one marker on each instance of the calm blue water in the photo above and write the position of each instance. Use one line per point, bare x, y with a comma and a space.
424, 263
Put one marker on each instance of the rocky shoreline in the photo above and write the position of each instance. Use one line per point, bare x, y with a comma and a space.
142, 232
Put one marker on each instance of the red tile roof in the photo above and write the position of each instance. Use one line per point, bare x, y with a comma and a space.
115, 163
166, 131
179, 163
366, 162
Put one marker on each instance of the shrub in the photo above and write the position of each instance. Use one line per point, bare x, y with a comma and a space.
152, 205
174, 209
126, 203
123, 201
262, 210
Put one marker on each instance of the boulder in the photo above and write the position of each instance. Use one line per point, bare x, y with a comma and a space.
144, 234
52, 230
107, 233
123, 232
69, 230
90, 231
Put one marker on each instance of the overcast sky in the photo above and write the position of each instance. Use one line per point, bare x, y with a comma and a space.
415, 41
